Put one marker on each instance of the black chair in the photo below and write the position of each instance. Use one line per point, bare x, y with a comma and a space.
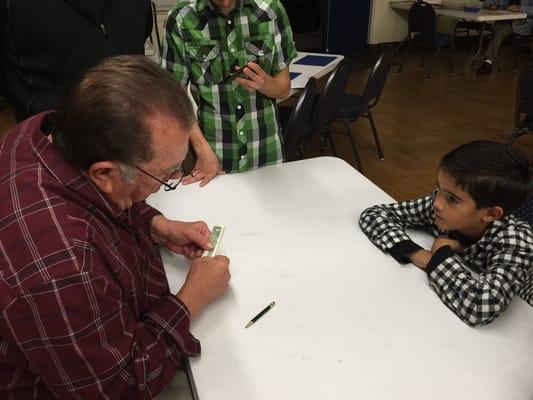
296, 129
156, 26
352, 106
524, 105
422, 32
327, 104
520, 42
525, 211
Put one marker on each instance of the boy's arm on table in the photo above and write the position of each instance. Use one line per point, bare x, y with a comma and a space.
385, 225
477, 299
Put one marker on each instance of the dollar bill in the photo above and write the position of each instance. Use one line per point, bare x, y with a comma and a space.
215, 238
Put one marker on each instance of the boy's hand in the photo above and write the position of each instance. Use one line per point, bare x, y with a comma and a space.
420, 258
446, 241
514, 8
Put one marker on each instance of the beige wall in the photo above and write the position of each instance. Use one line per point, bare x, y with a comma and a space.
386, 25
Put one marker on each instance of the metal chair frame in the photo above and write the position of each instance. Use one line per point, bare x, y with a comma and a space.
524, 104
297, 129
424, 25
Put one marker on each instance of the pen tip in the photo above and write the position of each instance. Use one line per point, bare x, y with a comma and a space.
249, 324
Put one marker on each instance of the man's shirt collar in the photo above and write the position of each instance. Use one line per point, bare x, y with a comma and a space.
202, 4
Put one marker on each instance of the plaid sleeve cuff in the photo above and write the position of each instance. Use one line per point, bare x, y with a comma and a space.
438, 257
401, 251
173, 317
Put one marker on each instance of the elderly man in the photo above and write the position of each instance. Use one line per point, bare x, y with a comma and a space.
85, 305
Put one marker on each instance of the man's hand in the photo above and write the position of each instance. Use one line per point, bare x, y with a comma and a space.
187, 238
441, 241
206, 168
207, 279
514, 8
257, 77
207, 165
275, 87
420, 258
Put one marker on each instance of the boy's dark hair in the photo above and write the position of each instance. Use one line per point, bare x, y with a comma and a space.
106, 115
493, 174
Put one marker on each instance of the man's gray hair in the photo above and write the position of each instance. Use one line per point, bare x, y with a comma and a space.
105, 117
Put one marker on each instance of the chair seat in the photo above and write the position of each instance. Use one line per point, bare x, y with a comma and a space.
351, 107
439, 38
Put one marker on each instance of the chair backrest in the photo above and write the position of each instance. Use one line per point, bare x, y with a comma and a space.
422, 19
377, 78
297, 127
156, 27
524, 95
330, 99
525, 211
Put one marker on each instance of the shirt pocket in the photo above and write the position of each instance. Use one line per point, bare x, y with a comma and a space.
205, 62
260, 49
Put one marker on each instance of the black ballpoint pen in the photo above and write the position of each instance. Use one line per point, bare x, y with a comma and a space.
261, 313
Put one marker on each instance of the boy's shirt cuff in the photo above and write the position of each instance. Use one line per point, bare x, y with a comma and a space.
438, 257
402, 250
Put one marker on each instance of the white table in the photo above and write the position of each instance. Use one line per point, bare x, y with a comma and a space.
311, 71
483, 16
350, 323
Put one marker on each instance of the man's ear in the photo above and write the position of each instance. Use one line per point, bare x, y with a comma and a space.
105, 175
492, 214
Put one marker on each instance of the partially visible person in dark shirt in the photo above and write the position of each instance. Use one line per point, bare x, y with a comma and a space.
47, 45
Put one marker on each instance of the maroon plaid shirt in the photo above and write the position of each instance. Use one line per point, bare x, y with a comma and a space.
85, 305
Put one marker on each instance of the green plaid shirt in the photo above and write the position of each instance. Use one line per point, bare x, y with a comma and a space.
202, 46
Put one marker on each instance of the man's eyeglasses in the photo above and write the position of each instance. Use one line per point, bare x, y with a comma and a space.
168, 186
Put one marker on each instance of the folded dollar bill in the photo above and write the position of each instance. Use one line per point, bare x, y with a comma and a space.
215, 238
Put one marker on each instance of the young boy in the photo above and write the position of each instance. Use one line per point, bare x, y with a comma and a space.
482, 256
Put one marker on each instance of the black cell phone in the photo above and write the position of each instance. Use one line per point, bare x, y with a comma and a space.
237, 72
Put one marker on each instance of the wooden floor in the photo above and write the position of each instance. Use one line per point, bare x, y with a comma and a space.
418, 121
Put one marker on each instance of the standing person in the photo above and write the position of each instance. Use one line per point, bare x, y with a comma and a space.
205, 42
482, 256
47, 45
504, 29
85, 307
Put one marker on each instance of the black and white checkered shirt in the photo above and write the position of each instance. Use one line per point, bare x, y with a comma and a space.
478, 284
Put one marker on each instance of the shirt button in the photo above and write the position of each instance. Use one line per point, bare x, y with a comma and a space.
232, 50
229, 21
241, 133
239, 107
243, 157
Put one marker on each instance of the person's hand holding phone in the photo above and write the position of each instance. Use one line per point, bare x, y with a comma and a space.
256, 78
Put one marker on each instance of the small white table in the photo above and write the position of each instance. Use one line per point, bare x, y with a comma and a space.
350, 323
484, 16
311, 71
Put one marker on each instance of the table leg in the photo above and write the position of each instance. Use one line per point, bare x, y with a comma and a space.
479, 47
